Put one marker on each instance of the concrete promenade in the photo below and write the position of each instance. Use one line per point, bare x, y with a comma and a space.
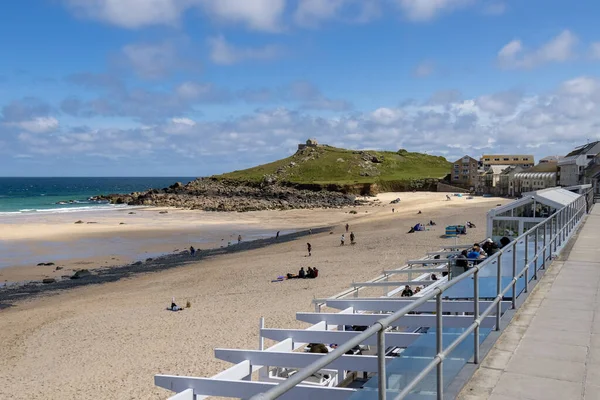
551, 348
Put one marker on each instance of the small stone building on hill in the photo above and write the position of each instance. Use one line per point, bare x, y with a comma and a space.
309, 143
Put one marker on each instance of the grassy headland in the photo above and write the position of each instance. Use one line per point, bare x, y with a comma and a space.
329, 165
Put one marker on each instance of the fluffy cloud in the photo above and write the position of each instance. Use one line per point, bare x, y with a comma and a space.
224, 53
256, 14
38, 124
425, 10
559, 49
311, 12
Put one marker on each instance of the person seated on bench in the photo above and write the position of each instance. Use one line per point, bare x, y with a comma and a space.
407, 292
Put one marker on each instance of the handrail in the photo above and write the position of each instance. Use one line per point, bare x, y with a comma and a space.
567, 218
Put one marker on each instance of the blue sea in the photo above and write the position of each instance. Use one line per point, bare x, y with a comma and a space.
42, 195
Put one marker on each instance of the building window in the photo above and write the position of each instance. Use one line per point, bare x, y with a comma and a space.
506, 159
496, 159
516, 159
456, 177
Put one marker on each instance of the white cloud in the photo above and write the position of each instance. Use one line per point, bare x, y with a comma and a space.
256, 14
311, 12
38, 124
425, 69
224, 53
559, 49
425, 10
386, 116
261, 15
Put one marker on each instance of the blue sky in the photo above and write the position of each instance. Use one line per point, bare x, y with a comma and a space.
196, 87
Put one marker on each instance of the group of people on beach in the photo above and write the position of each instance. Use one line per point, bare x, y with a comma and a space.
311, 273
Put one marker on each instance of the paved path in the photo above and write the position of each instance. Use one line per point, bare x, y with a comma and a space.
551, 349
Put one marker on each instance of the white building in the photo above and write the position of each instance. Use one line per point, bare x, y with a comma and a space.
570, 168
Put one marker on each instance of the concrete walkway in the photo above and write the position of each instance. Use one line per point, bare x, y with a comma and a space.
551, 348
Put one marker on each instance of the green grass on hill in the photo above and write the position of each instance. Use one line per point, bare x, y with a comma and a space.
326, 165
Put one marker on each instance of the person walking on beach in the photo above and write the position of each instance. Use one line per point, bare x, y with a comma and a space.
351, 237
239, 239
192, 251
347, 227
309, 247
343, 239
277, 236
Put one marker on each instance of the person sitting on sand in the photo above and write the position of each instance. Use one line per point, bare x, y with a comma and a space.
310, 273
470, 225
419, 212
352, 237
342, 239
431, 223
174, 307
315, 272
448, 198
407, 292
302, 273
309, 247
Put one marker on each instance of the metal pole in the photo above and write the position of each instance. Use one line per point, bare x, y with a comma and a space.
381, 363
514, 274
261, 339
551, 237
526, 266
499, 291
439, 346
544, 252
535, 265
475, 316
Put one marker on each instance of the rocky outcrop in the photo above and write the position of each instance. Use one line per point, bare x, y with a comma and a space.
211, 194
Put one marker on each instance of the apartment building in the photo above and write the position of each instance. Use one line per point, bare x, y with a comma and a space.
572, 166
523, 161
464, 172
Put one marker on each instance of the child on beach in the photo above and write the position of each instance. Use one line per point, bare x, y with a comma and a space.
343, 239
309, 247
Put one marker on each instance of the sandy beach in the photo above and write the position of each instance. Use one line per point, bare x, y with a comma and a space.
107, 341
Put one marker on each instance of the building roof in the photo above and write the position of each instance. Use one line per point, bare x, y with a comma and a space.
497, 169
551, 159
507, 155
465, 156
535, 175
554, 197
544, 167
582, 149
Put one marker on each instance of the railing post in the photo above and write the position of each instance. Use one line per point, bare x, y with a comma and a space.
545, 241
261, 339
381, 363
535, 264
439, 346
526, 265
475, 316
499, 291
514, 275
552, 241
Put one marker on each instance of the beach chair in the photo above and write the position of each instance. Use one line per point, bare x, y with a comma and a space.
451, 231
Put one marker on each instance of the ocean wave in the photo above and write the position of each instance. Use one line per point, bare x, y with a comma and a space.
60, 210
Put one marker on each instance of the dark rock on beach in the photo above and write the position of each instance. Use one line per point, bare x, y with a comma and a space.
210, 194
82, 273
48, 280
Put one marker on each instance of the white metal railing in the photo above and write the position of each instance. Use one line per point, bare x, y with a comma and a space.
558, 228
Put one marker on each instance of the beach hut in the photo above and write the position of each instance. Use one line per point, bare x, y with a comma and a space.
517, 217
